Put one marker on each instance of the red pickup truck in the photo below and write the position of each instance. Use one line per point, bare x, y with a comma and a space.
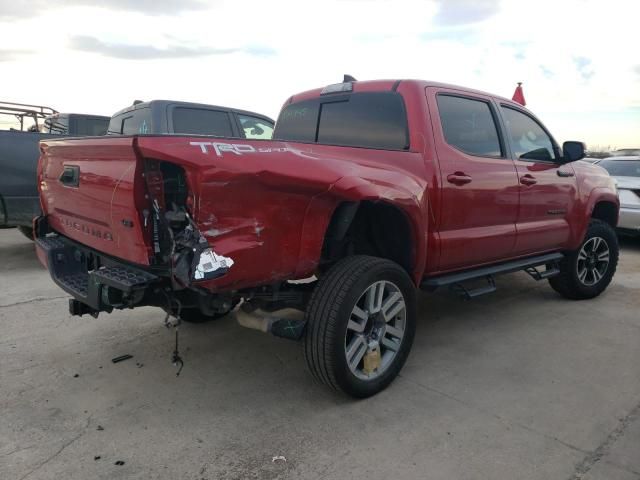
369, 191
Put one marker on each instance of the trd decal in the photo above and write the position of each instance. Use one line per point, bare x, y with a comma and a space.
236, 148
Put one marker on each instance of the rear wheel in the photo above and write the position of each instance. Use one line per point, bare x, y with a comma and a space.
361, 321
586, 272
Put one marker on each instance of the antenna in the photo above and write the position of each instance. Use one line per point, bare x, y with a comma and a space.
348, 78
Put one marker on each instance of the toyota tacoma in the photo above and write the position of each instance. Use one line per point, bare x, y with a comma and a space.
368, 192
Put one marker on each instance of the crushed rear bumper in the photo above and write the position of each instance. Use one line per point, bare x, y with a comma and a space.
96, 282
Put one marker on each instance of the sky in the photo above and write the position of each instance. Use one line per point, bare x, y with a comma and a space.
579, 60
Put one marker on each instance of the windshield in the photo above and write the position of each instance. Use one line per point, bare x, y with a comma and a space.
621, 168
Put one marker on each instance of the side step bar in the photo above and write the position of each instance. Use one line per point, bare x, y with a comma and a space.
529, 265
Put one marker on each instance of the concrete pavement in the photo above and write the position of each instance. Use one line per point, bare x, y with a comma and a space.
520, 384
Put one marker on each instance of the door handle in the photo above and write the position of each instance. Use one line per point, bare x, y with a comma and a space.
70, 176
564, 173
459, 178
528, 180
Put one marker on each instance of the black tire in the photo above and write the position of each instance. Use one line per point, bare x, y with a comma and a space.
27, 232
328, 314
195, 315
568, 283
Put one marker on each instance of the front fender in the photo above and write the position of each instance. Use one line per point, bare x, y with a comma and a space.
597, 195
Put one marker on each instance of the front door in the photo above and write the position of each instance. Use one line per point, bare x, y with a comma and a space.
548, 192
479, 195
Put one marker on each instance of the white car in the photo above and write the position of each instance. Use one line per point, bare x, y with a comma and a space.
626, 172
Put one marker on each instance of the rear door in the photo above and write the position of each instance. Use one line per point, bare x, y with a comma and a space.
93, 192
479, 181
548, 191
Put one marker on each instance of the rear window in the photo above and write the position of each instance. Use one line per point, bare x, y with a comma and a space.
89, 126
200, 121
57, 125
298, 122
131, 123
621, 168
370, 120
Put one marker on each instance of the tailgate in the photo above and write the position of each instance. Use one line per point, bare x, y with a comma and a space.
93, 192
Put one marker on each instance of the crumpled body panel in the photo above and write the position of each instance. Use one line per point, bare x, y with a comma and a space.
266, 204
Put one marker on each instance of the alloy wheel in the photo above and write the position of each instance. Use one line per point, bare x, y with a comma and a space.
593, 261
375, 330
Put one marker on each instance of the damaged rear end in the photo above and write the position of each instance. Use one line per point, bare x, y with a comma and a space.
118, 230
175, 222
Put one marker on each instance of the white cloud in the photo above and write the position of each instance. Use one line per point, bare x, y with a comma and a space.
576, 58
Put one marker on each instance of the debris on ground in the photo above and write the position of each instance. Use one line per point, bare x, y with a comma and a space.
119, 463
139, 365
97, 457
278, 459
176, 359
100, 428
76, 376
121, 358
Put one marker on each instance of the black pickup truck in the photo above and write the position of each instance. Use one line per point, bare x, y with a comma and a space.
19, 151
22, 127
174, 117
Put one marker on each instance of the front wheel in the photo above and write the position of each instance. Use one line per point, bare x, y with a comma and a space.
361, 321
586, 272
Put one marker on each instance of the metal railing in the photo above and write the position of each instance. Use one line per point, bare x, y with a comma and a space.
22, 111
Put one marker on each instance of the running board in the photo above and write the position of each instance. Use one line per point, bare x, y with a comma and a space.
549, 260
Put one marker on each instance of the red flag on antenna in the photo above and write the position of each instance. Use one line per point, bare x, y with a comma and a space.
518, 95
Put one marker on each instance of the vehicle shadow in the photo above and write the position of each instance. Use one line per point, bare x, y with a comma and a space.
629, 242
17, 253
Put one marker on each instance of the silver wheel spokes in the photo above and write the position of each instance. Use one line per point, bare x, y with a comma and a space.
375, 330
593, 261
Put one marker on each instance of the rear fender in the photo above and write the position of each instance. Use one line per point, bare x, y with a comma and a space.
357, 189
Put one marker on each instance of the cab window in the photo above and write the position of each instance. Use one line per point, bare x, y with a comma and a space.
376, 120
58, 124
528, 139
469, 126
201, 121
133, 122
90, 126
254, 127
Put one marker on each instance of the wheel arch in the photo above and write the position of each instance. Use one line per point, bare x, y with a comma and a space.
376, 228
603, 204
607, 211
332, 216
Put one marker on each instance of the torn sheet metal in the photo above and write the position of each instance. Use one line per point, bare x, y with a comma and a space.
193, 257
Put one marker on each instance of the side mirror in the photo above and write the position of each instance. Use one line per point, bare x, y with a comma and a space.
572, 151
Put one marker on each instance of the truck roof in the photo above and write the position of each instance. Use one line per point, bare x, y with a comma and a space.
71, 114
165, 103
392, 84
